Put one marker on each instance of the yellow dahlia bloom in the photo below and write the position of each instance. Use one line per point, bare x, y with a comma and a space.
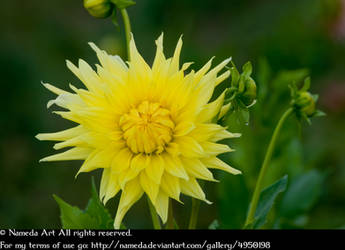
149, 128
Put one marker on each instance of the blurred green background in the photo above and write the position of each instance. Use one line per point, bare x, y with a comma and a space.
285, 41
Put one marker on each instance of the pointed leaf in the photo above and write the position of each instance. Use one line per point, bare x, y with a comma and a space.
74, 218
97, 210
266, 201
302, 194
214, 225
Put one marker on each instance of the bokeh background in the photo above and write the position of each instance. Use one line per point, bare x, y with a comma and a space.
284, 40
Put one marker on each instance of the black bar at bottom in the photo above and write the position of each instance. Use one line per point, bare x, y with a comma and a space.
171, 239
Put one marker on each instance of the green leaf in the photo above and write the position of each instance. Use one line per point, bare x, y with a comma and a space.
122, 4
95, 216
266, 201
74, 218
214, 225
302, 194
97, 210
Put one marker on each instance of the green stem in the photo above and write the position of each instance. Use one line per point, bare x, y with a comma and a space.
170, 221
155, 220
194, 215
127, 25
263, 170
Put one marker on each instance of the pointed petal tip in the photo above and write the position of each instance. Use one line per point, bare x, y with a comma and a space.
38, 137
237, 172
236, 135
75, 177
68, 63
208, 202
43, 159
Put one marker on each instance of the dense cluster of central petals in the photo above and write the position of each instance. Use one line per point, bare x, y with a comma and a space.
152, 129
147, 128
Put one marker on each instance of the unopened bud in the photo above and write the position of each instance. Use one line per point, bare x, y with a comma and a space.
249, 94
99, 8
306, 102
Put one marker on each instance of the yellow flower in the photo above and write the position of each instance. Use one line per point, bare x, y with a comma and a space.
149, 128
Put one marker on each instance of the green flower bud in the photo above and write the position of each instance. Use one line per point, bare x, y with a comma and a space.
306, 103
249, 93
99, 8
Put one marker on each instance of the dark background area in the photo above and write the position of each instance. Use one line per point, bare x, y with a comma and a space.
284, 40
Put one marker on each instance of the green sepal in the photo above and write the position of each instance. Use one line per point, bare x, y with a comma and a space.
114, 19
319, 113
235, 75
306, 85
247, 69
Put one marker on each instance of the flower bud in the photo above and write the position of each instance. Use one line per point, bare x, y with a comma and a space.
249, 93
99, 8
306, 102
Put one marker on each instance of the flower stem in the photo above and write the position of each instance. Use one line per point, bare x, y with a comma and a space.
171, 220
194, 215
263, 170
155, 220
127, 25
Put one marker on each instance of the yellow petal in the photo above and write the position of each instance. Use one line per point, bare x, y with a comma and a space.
162, 206
62, 135
126, 176
139, 162
122, 160
183, 128
150, 188
212, 148
192, 188
54, 89
224, 110
203, 70
109, 185
131, 194
113, 64
211, 109
171, 186
222, 77
197, 169
155, 169
97, 159
174, 166
72, 154
159, 58
224, 134
189, 147
205, 131
174, 66
137, 63
104, 183
214, 162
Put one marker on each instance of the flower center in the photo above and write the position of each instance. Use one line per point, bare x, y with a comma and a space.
147, 128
